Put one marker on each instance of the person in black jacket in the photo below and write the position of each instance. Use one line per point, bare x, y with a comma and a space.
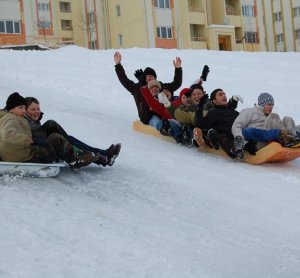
144, 111
219, 120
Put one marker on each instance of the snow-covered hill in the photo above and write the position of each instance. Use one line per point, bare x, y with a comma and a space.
162, 210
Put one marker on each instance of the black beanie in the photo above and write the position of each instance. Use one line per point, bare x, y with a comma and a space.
14, 100
150, 71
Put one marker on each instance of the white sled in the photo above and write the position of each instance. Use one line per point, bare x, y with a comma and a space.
25, 169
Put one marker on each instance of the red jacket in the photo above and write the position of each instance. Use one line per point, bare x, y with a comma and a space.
154, 104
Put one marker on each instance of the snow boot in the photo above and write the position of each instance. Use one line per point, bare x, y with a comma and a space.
288, 140
83, 158
112, 153
238, 146
165, 129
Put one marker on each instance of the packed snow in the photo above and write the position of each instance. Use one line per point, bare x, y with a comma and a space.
162, 210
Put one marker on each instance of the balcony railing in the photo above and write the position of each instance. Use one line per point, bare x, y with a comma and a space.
232, 11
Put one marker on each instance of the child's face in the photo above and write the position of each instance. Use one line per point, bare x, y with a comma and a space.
185, 100
19, 111
167, 93
268, 108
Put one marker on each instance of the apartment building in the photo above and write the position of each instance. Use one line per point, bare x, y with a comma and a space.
232, 25
41, 21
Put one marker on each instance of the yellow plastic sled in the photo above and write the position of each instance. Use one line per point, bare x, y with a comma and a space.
273, 152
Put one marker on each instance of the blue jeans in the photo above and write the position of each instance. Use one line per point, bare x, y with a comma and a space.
260, 135
156, 122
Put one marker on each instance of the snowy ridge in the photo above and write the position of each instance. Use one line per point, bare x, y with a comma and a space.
162, 210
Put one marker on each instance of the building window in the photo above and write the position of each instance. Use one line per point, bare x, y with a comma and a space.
91, 17
44, 24
277, 17
279, 38
162, 4
118, 10
43, 7
298, 35
297, 11
65, 7
10, 27
120, 40
66, 25
248, 10
164, 32
2, 27
250, 37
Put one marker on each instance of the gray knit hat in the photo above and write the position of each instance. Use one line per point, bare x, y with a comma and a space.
264, 99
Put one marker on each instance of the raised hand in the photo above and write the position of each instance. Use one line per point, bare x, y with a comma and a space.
140, 76
177, 62
205, 72
117, 57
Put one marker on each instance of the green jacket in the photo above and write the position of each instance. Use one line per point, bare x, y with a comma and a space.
15, 136
185, 114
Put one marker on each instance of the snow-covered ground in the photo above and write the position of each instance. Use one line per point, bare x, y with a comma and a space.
162, 210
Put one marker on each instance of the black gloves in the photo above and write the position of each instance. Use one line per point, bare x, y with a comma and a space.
203, 100
205, 72
141, 77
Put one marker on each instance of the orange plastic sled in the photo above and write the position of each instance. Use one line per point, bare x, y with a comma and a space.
273, 152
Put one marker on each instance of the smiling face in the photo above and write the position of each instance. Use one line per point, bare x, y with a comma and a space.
196, 96
154, 90
33, 111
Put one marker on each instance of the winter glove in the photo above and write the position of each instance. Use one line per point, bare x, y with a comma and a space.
205, 72
203, 100
237, 98
162, 98
141, 77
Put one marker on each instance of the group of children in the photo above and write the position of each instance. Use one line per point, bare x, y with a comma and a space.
25, 139
196, 118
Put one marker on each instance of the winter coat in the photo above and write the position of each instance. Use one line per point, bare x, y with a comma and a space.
185, 114
202, 111
154, 104
144, 111
249, 117
15, 138
221, 118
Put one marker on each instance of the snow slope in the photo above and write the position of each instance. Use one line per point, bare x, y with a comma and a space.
162, 210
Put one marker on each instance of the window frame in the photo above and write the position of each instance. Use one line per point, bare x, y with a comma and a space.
296, 11
13, 23
279, 38
248, 10
277, 17
164, 32
251, 37
162, 4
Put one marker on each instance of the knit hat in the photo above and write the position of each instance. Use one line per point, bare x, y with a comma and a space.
192, 88
184, 91
264, 99
150, 71
154, 83
14, 100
